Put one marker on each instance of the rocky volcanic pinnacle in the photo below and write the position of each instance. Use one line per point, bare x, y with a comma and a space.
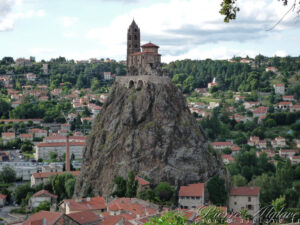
149, 131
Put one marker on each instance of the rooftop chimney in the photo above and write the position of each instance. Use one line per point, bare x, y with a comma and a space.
67, 155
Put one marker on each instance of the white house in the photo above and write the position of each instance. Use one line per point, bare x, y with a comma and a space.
244, 198
107, 75
38, 178
191, 196
31, 76
41, 196
279, 89
8, 136
43, 150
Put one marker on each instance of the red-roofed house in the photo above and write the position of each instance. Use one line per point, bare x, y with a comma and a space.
244, 197
260, 111
41, 196
288, 98
227, 159
80, 218
284, 105
142, 182
24, 137
221, 145
295, 108
279, 89
45, 218
2, 200
295, 159
6, 137
38, 132
94, 204
287, 153
37, 178
191, 196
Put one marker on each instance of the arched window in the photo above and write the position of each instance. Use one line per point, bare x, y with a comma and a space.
131, 84
129, 37
135, 37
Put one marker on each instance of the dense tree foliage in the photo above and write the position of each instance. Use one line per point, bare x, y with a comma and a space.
217, 190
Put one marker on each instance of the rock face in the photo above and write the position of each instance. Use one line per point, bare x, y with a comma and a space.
150, 131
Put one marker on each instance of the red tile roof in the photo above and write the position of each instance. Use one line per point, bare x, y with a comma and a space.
150, 45
49, 174
245, 191
221, 144
111, 220
44, 192
84, 217
2, 196
59, 144
192, 190
84, 204
141, 181
50, 217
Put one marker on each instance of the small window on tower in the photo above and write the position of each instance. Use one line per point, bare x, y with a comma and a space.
135, 46
135, 37
129, 37
135, 30
129, 46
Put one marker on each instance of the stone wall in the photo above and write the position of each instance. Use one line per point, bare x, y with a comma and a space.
140, 81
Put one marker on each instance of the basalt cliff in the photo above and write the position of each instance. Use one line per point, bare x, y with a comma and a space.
145, 126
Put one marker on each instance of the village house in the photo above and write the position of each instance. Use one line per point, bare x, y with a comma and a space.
278, 142
2, 200
42, 196
221, 145
249, 105
270, 153
297, 142
287, 153
138, 208
239, 98
82, 218
107, 75
213, 105
288, 98
24, 137
198, 105
38, 133
52, 167
271, 69
260, 111
96, 110
43, 150
191, 196
66, 126
94, 204
235, 150
284, 105
38, 178
31, 76
8, 136
45, 218
279, 89
295, 159
246, 61
295, 108
227, 159
244, 198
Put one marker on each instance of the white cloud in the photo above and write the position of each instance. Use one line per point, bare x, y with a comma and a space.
281, 53
42, 51
68, 21
180, 26
11, 11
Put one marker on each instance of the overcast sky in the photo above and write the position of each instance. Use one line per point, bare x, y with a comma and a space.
82, 29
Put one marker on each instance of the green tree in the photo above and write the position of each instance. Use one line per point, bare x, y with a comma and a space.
164, 192
121, 187
278, 204
43, 206
239, 181
21, 192
131, 185
217, 191
70, 185
167, 219
8, 175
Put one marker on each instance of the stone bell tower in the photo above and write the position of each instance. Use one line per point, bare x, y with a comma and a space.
133, 39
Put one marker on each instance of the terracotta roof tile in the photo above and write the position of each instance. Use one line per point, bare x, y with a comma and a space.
50, 217
245, 191
84, 217
44, 192
192, 190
